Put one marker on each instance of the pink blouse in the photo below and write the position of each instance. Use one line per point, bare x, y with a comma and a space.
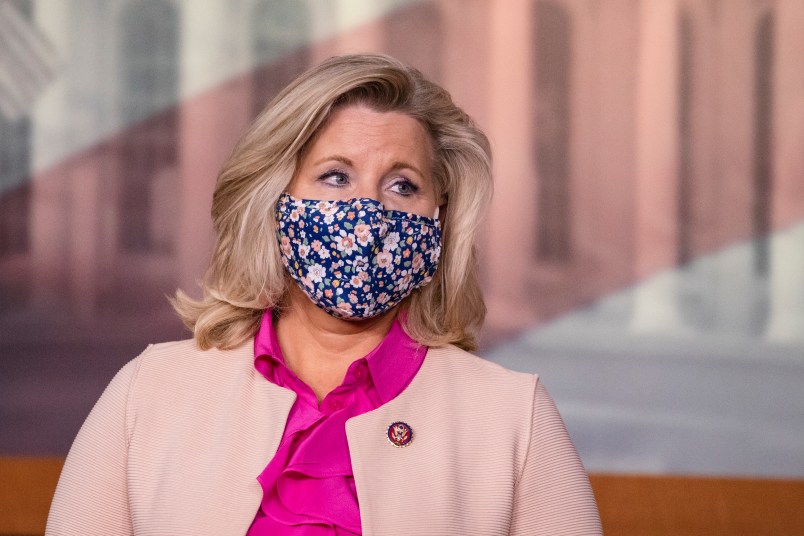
308, 486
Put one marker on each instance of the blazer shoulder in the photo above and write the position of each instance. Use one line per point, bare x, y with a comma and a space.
183, 367
464, 372
172, 350
186, 355
474, 366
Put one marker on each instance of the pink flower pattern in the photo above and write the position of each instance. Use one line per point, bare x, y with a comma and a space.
367, 259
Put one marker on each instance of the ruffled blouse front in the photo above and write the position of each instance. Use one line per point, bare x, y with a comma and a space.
308, 486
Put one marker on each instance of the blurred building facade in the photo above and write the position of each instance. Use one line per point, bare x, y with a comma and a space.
659, 132
631, 137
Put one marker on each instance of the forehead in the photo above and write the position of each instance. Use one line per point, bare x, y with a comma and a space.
362, 131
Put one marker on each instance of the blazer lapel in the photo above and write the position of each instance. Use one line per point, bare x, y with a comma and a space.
392, 482
261, 437
256, 417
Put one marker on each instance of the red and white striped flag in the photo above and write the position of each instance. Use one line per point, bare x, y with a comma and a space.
27, 62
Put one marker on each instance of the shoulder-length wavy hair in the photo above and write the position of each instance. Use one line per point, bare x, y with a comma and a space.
246, 274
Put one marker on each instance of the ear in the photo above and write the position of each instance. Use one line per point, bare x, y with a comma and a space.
441, 209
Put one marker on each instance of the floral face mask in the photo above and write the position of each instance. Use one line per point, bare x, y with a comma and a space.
353, 258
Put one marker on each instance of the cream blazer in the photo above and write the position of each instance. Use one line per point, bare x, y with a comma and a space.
175, 443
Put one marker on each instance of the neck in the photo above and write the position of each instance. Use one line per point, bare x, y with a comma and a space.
318, 347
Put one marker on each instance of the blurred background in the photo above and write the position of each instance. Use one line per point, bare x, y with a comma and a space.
644, 252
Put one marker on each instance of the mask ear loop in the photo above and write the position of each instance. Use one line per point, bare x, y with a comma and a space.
435, 217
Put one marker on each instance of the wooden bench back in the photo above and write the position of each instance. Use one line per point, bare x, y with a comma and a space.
629, 504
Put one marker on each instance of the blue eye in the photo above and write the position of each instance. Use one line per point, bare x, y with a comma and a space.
335, 177
405, 187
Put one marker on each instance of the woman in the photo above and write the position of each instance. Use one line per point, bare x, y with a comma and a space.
328, 388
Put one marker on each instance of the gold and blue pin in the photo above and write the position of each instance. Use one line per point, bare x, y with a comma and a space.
400, 434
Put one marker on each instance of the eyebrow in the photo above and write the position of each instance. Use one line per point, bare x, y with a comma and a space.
347, 162
337, 158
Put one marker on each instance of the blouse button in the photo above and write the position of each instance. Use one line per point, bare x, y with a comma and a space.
360, 372
334, 405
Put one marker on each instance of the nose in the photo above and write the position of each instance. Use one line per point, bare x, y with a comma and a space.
370, 190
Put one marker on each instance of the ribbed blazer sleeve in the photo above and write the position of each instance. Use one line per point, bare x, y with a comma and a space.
91, 497
552, 496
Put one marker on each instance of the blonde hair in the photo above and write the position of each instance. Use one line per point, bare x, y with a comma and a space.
246, 275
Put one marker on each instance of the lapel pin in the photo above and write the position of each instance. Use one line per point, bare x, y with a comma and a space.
400, 434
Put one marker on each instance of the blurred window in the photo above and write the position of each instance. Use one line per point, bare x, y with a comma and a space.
553, 119
148, 98
15, 168
686, 88
279, 30
763, 138
425, 21
14, 189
